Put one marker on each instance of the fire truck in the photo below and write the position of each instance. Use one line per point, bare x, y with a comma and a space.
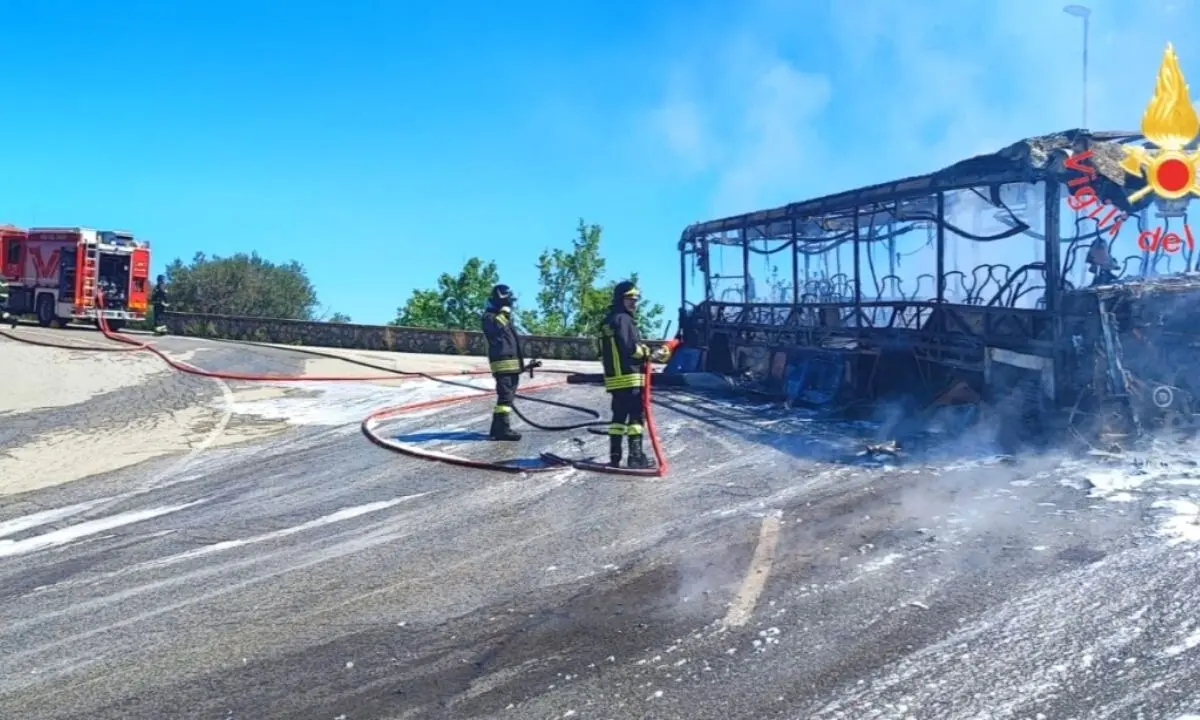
55, 273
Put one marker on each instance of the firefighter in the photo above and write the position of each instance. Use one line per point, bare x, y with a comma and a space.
504, 359
159, 298
624, 356
1101, 263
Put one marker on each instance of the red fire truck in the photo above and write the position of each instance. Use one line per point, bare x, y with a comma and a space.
54, 273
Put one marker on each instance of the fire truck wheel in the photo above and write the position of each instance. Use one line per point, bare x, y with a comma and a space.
45, 309
116, 325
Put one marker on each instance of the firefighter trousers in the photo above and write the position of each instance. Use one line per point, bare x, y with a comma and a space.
506, 390
627, 413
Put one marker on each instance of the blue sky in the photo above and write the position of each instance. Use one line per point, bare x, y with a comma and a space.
382, 143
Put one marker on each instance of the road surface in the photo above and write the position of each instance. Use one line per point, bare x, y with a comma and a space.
773, 574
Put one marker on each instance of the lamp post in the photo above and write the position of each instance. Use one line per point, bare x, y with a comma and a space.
1081, 11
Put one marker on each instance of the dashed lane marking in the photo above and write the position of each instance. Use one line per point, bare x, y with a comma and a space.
752, 586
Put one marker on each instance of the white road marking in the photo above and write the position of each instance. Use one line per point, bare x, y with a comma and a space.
63, 536
756, 577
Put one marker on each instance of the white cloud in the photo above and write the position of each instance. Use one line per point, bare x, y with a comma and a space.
898, 87
745, 113
775, 140
680, 123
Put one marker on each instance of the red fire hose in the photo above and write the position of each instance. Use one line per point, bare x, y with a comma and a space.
551, 462
370, 421
660, 468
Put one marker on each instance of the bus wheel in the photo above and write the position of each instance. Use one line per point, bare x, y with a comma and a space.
45, 309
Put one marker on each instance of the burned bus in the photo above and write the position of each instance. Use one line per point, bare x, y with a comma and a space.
1043, 281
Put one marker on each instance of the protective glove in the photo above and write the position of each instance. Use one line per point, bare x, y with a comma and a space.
532, 365
661, 354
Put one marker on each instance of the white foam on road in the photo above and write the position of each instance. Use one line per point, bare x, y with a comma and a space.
71, 533
1183, 524
1085, 628
339, 516
1107, 482
331, 404
45, 517
880, 563
1191, 642
211, 581
1164, 479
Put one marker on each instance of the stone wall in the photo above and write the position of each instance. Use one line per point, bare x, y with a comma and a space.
370, 337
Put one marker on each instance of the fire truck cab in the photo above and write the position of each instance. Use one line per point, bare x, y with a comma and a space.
55, 273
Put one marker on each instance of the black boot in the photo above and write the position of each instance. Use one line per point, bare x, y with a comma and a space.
637, 456
614, 450
502, 428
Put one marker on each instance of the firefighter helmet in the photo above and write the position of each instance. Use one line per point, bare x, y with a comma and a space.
625, 289
502, 296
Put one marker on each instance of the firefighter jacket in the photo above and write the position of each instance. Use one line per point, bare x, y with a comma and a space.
622, 351
159, 295
504, 349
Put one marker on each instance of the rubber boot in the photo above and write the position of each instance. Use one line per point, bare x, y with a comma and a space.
637, 456
502, 428
614, 450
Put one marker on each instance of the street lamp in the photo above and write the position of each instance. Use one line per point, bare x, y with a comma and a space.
1081, 11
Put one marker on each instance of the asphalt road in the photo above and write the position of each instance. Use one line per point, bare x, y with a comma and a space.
772, 574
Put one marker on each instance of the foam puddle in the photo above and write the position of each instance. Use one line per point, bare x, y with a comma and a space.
326, 404
1170, 486
1183, 524
1107, 483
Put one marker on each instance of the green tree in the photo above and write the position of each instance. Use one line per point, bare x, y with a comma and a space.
241, 285
572, 300
327, 315
456, 304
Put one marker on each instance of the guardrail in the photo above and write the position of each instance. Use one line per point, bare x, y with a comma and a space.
370, 337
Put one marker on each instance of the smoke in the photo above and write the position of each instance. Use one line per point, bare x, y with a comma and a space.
708, 573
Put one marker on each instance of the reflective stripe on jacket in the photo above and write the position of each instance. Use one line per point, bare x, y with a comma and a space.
504, 348
622, 351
